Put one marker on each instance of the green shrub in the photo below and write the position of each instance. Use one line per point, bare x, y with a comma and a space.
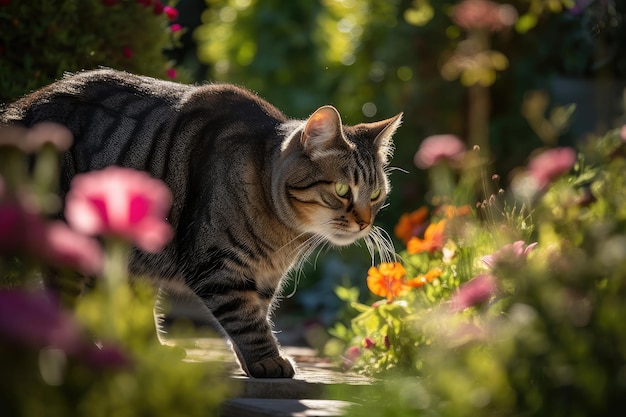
40, 40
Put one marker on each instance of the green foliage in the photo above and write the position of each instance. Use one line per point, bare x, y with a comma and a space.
550, 340
97, 355
40, 40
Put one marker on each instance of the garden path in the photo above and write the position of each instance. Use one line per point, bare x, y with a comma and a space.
309, 394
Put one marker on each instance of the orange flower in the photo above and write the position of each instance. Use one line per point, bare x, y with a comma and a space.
451, 211
410, 223
434, 239
387, 280
420, 280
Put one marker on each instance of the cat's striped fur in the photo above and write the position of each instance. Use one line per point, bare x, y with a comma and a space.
253, 191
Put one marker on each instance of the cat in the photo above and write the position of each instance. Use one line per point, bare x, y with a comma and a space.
254, 192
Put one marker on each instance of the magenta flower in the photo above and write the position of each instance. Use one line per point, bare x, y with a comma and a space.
171, 13
33, 319
158, 7
176, 28
386, 342
22, 231
66, 248
551, 164
513, 253
171, 72
127, 52
17, 227
437, 149
475, 291
121, 202
368, 343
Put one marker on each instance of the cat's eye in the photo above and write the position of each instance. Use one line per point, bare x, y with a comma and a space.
342, 189
375, 194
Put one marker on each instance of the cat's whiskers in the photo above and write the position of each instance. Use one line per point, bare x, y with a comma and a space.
379, 241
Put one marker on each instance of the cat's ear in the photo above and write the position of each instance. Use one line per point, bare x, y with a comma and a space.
384, 131
323, 131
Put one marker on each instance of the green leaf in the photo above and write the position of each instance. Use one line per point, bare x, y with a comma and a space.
525, 23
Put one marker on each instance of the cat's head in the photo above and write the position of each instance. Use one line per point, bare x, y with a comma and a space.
334, 177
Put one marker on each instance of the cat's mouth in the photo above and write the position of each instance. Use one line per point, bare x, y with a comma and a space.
345, 238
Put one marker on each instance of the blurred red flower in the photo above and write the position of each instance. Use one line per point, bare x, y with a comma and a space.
33, 319
23, 231
475, 291
513, 253
171, 13
121, 202
482, 14
437, 149
172, 73
551, 164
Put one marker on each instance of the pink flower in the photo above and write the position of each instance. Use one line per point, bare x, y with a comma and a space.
482, 14
127, 52
439, 148
475, 291
368, 343
622, 133
386, 342
22, 231
33, 319
171, 72
176, 28
33, 139
170, 12
550, 164
513, 253
66, 248
121, 202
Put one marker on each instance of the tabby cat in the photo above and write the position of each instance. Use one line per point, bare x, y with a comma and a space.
254, 191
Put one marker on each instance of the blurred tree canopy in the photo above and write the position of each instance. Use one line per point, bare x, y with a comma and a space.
369, 58
374, 58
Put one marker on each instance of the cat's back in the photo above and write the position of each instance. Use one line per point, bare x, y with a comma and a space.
89, 92
118, 118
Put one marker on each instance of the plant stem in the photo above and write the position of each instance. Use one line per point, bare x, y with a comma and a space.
115, 275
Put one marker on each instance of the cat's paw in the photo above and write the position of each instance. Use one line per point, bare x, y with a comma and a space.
277, 367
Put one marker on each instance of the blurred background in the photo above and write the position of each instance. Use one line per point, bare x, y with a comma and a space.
370, 58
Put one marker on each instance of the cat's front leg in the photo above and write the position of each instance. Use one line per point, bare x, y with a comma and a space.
242, 313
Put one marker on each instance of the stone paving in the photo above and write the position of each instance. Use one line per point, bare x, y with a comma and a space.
306, 395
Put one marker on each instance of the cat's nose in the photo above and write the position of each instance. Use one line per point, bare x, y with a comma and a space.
363, 217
